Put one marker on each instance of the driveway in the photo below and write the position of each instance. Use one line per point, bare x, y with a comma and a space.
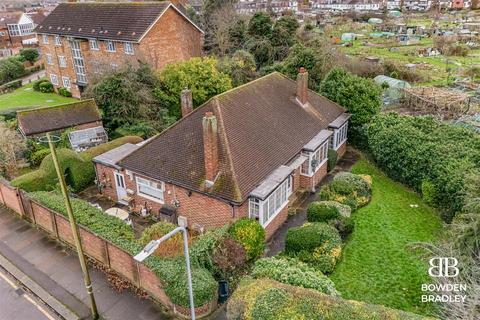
277, 242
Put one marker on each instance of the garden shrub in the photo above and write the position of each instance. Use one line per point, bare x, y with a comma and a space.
38, 156
344, 226
349, 189
270, 300
315, 243
37, 83
332, 159
170, 247
323, 211
78, 167
228, 257
251, 235
292, 271
46, 87
412, 150
171, 271
201, 252
64, 92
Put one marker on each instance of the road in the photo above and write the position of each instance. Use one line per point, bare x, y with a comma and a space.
18, 304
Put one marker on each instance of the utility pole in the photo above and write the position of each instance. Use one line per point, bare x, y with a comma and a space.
73, 225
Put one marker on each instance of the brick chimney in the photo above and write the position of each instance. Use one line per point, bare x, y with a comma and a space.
210, 146
302, 86
186, 102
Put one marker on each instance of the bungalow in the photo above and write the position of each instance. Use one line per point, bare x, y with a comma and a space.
244, 153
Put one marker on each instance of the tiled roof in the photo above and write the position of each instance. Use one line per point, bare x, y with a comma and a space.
46, 119
261, 127
116, 21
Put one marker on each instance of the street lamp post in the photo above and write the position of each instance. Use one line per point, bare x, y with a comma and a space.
73, 225
153, 245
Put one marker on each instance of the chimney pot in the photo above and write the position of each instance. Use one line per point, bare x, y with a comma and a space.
210, 147
302, 86
186, 102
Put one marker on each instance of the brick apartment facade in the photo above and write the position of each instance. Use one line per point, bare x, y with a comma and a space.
16, 32
244, 153
81, 41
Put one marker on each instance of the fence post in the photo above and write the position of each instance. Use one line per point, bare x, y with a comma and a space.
54, 222
18, 192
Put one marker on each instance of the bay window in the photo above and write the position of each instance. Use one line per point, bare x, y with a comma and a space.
315, 159
150, 190
266, 210
339, 136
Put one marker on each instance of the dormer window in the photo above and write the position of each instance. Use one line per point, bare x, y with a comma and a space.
111, 46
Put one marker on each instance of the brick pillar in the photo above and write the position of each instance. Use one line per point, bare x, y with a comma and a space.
210, 146
302, 86
186, 102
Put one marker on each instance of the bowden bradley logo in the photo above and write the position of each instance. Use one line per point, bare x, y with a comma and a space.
443, 267
445, 290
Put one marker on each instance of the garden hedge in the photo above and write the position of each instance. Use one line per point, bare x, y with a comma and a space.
270, 300
292, 271
251, 235
171, 271
79, 169
430, 156
324, 211
316, 243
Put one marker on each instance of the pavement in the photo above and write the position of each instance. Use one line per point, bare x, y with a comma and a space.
21, 303
32, 77
55, 269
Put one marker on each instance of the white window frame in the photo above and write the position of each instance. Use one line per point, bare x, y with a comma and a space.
111, 44
49, 59
339, 136
62, 62
45, 38
66, 79
148, 184
266, 210
128, 45
52, 77
57, 40
93, 43
320, 154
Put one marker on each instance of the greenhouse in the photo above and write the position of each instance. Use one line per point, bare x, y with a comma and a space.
393, 88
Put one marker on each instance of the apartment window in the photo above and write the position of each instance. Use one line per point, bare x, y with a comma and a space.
45, 39
58, 41
150, 189
13, 30
93, 44
128, 47
269, 208
54, 79
62, 62
66, 82
49, 59
110, 46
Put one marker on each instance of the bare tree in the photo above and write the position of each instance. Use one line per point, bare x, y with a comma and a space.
11, 145
221, 23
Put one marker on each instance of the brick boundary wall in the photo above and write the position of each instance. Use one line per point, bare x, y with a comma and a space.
96, 248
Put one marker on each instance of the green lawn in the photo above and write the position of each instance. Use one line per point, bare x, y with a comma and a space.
26, 97
378, 266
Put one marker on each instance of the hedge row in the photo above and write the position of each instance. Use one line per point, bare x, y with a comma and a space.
294, 272
350, 189
170, 271
78, 167
430, 156
270, 300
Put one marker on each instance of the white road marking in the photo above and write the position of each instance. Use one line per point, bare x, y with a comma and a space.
27, 297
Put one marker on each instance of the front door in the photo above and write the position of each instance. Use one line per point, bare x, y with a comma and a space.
120, 186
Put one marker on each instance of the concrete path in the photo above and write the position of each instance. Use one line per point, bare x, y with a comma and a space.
56, 269
32, 77
277, 242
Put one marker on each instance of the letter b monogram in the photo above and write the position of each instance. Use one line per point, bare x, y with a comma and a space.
443, 267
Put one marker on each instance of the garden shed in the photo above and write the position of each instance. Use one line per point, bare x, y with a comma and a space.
348, 36
393, 88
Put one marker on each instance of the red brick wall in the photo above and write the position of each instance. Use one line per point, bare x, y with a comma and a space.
342, 149
43, 217
172, 39
9, 197
276, 222
310, 183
